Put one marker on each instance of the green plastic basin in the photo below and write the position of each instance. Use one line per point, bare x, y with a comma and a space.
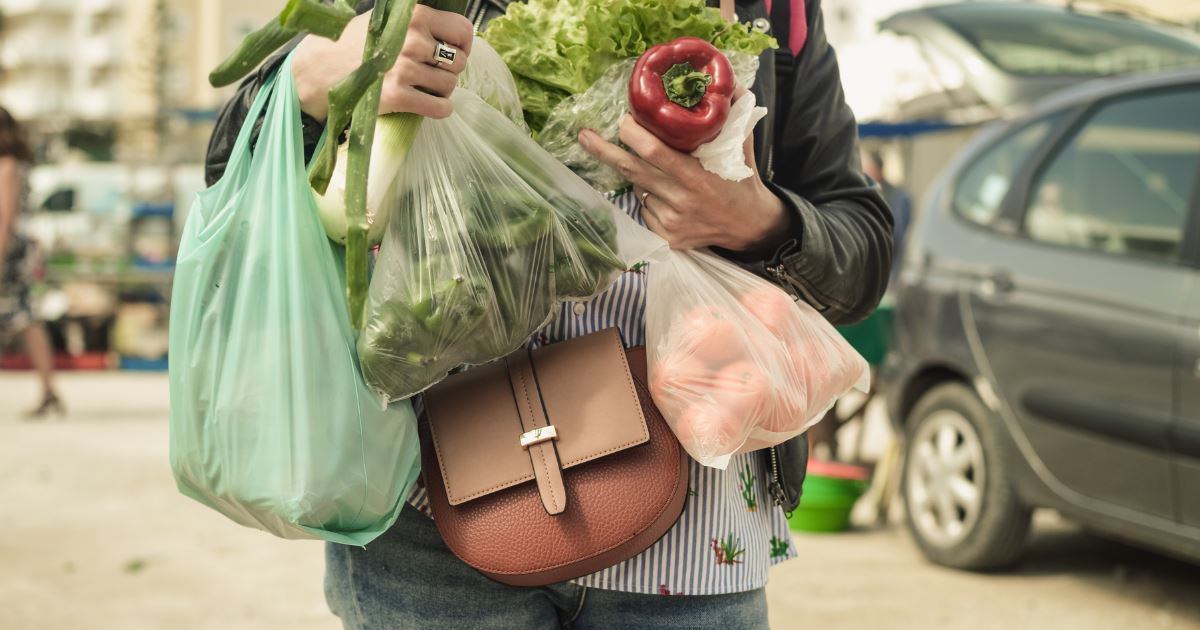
826, 504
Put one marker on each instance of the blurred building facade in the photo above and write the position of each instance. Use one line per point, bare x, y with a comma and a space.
118, 79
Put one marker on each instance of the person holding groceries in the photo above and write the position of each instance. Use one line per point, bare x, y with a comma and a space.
808, 221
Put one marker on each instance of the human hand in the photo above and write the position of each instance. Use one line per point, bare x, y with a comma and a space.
417, 83
686, 205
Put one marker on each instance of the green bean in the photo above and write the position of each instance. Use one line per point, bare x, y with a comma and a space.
251, 52
318, 18
299, 16
512, 232
599, 254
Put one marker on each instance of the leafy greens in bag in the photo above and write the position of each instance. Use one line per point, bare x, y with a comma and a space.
487, 235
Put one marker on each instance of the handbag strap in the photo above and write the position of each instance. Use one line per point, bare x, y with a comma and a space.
538, 435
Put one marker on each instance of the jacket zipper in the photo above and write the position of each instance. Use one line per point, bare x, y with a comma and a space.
775, 488
479, 16
780, 273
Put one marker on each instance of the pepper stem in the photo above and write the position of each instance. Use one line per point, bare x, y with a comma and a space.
685, 85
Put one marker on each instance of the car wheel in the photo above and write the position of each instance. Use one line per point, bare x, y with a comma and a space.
959, 506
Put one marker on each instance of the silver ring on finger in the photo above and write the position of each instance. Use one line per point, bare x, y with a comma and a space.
645, 194
445, 54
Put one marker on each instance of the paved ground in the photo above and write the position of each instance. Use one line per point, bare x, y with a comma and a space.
97, 538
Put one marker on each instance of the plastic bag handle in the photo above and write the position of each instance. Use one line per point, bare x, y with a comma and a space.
281, 129
242, 145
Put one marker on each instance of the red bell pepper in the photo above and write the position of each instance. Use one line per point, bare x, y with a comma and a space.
681, 91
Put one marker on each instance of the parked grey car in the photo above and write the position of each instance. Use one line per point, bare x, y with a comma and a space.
1047, 348
994, 58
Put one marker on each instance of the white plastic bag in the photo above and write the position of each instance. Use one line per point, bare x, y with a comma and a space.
734, 363
725, 155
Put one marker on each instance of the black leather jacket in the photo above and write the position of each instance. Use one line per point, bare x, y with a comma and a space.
838, 252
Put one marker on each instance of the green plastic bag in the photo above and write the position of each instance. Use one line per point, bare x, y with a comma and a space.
271, 422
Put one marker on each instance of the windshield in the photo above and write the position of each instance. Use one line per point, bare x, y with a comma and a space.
1037, 41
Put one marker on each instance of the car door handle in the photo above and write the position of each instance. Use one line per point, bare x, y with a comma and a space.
997, 283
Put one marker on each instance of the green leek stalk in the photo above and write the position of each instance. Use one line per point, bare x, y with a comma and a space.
356, 98
297, 17
379, 54
378, 58
394, 134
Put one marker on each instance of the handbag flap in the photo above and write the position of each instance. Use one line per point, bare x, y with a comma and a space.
588, 395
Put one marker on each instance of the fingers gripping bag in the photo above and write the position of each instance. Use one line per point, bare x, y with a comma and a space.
485, 74
488, 233
736, 364
271, 421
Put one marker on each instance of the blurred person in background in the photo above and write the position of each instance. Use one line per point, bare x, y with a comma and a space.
897, 198
16, 263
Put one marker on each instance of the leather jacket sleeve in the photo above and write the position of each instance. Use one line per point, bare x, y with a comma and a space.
839, 252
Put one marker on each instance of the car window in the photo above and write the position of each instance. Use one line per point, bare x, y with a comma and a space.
1123, 184
1039, 41
983, 185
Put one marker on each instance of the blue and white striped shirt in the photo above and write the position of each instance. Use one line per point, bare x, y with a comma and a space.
730, 532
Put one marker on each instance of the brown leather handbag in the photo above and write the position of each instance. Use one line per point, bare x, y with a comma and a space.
553, 463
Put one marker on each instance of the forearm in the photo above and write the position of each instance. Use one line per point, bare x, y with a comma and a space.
837, 249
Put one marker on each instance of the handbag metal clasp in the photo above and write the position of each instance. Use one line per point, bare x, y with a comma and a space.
539, 435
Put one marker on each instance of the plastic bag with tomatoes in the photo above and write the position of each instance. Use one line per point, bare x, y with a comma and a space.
735, 364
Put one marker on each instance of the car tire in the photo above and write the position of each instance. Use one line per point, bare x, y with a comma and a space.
959, 505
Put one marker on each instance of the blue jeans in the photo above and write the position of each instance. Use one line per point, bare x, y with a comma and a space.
408, 578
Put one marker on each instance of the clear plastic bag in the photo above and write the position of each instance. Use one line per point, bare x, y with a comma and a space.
488, 234
601, 109
488, 77
735, 364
